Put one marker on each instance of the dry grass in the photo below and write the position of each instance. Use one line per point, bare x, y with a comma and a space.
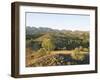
66, 52
32, 56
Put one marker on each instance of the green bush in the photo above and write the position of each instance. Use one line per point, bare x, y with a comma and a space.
42, 51
77, 55
86, 50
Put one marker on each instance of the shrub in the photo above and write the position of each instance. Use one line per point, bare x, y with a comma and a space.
81, 48
42, 51
48, 44
77, 54
86, 49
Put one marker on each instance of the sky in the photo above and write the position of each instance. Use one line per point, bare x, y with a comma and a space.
58, 21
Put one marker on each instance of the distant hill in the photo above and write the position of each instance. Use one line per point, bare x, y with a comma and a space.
42, 32
34, 30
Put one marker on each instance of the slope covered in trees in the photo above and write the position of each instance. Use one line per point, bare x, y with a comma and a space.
41, 41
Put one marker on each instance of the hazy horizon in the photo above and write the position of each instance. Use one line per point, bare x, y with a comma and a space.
56, 29
58, 21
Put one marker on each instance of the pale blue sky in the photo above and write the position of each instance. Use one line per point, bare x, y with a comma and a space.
58, 21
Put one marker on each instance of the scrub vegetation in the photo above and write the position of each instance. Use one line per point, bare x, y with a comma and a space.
52, 47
